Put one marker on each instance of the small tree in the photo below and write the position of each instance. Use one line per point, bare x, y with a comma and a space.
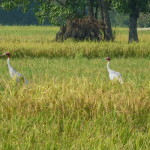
133, 8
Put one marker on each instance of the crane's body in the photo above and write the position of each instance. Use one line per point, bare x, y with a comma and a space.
18, 77
113, 75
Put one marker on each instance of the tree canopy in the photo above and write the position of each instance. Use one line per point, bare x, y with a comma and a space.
131, 6
55, 11
58, 11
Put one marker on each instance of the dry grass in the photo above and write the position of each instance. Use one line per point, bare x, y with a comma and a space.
70, 103
40, 42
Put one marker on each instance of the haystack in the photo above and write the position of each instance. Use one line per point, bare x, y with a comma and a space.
81, 29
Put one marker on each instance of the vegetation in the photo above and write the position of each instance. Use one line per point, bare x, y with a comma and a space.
17, 17
133, 8
58, 12
70, 102
36, 41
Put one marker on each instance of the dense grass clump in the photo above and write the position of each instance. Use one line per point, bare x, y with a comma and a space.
70, 102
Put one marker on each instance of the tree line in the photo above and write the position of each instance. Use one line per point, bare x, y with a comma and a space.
57, 12
17, 17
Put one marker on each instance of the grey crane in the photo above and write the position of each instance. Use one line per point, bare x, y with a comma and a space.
18, 77
113, 75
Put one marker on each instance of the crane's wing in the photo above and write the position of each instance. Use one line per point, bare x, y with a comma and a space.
18, 77
114, 72
114, 75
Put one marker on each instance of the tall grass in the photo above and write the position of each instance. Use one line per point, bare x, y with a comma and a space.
40, 41
70, 103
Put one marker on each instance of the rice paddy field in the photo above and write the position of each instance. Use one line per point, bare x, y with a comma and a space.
70, 103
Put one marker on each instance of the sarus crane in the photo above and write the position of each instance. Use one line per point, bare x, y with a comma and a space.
18, 77
113, 75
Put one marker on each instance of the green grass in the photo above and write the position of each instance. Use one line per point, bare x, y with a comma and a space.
70, 103
36, 41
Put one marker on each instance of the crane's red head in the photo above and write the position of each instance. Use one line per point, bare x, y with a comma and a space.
6, 54
107, 58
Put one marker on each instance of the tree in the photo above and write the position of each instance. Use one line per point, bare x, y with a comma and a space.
133, 8
105, 17
57, 12
144, 20
17, 17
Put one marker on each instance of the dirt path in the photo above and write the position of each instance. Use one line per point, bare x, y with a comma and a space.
144, 28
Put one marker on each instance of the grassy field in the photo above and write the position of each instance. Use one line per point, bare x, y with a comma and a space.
40, 42
70, 104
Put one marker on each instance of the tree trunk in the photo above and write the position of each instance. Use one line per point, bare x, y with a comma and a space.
108, 30
133, 36
101, 9
84, 11
91, 10
96, 12
102, 16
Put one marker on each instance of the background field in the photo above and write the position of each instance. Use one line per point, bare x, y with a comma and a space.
70, 102
36, 41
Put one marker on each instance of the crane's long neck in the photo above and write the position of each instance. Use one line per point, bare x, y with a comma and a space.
8, 63
10, 68
108, 66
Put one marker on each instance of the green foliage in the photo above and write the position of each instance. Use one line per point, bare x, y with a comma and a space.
118, 19
57, 14
131, 6
144, 20
17, 17
9, 4
55, 11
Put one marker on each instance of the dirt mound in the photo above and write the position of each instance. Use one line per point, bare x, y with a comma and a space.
81, 29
